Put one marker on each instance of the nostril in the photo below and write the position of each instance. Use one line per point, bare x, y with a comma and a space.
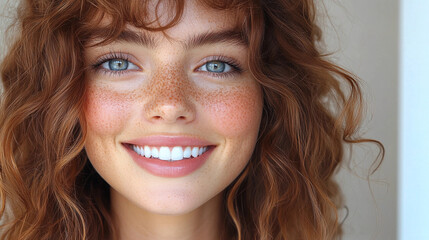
169, 113
160, 118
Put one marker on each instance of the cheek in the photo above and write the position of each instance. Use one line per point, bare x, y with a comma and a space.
106, 111
235, 111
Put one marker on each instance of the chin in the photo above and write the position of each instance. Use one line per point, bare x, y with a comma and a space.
173, 207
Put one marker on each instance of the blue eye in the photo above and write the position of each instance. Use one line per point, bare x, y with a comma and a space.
216, 67
118, 64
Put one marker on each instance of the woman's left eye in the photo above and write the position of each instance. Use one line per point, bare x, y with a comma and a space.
118, 64
216, 67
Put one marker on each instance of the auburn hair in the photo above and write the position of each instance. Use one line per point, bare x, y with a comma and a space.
312, 107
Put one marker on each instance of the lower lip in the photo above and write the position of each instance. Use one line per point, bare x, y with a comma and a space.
171, 169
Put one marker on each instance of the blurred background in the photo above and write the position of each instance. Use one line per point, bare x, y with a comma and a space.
385, 43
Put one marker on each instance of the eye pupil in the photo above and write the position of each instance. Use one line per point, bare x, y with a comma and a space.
216, 66
118, 64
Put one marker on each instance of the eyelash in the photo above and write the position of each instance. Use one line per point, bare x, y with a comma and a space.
235, 66
114, 55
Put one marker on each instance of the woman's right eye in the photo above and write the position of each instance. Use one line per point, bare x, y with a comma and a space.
118, 65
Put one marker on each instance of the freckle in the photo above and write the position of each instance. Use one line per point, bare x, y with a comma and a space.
231, 106
167, 84
106, 108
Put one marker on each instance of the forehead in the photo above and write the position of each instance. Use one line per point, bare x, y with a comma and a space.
194, 12
197, 15
196, 18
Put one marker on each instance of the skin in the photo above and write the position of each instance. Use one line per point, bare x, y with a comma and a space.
169, 94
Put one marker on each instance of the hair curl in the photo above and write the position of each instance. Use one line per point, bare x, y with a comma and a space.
286, 191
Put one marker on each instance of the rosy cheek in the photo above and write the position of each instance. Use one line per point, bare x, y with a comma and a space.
105, 110
235, 111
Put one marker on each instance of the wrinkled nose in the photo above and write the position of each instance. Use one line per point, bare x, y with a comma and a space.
170, 100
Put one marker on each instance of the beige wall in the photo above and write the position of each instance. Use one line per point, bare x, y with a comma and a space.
365, 40
6, 18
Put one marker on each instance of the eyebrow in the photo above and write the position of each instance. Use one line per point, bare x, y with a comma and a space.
225, 36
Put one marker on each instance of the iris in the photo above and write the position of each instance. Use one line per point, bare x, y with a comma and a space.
215, 66
118, 64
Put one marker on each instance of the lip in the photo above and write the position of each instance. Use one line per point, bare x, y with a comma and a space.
170, 169
169, 141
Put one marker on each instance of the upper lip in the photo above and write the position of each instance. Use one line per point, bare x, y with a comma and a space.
169, 141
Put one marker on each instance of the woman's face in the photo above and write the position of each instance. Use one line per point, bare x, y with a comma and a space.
172, 121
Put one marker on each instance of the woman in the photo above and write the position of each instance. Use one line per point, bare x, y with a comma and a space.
172, 120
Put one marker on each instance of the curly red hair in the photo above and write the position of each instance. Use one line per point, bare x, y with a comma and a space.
286, 191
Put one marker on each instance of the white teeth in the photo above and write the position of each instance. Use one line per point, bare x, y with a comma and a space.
164, 153
187, 152
147, 152
155, 153
138, 150
195, 152
176, 153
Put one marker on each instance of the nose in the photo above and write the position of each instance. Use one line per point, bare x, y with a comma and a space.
170, 100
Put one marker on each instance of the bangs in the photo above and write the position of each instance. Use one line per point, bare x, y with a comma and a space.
147, 15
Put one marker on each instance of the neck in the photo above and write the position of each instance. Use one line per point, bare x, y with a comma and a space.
134, 223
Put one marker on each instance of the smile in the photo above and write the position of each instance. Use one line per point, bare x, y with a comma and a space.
168, 155
165, 153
